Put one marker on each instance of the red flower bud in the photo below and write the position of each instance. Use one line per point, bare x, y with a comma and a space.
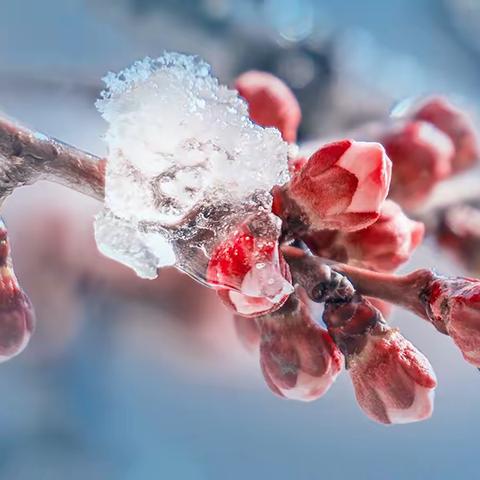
421, 155
16, 312
298, 357
249, 272
270, 102
454, 308
456, 124
393, 381
383, 246
386, 244
342, 186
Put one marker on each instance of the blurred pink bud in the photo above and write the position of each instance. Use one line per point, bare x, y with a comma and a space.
456, 124
16, 312
248, 332
459, 232
387, 243
249, 272
421, 155
342, 186
393, 381
299, 359
383, 246
454, 307
270, 102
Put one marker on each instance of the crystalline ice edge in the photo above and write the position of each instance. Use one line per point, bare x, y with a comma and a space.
117, 239
178, 143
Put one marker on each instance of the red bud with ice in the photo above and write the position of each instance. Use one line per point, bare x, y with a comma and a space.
299, 359
270, 102
249, 272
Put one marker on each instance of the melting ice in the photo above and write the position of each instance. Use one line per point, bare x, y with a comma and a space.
178, 144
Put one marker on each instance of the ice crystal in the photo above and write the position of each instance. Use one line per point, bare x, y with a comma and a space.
180, 146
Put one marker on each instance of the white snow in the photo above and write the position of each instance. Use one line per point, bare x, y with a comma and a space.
178, 142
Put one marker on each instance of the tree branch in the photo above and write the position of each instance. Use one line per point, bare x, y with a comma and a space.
27, 156
403, 290
325, 279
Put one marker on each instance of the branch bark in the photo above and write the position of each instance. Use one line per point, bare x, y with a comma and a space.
324, 279
27, 156
403, 290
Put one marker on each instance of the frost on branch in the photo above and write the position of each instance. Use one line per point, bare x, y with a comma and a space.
181, 149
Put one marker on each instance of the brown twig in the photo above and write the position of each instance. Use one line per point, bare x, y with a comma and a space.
27, 156
403, 290
324, 279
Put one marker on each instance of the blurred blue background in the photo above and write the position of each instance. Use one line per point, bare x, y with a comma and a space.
129, 379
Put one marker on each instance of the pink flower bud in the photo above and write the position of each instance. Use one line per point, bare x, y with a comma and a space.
249, 272
421, 155
270, 102
456, 124
454, 307
16, 312
393, 381
298, 357
342, 186
383, 246
387, 243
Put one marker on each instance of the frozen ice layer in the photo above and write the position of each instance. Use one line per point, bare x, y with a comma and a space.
143, 252
178, 142
177, 139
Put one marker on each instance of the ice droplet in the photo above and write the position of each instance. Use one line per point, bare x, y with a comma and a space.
185, 163
117, 239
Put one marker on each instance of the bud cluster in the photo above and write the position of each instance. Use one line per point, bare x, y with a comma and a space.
429, 142
335, 209
333, 234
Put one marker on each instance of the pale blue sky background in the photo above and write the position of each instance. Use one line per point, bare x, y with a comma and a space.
103, 409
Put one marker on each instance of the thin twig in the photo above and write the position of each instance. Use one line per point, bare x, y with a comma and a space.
320, 279
27, 156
